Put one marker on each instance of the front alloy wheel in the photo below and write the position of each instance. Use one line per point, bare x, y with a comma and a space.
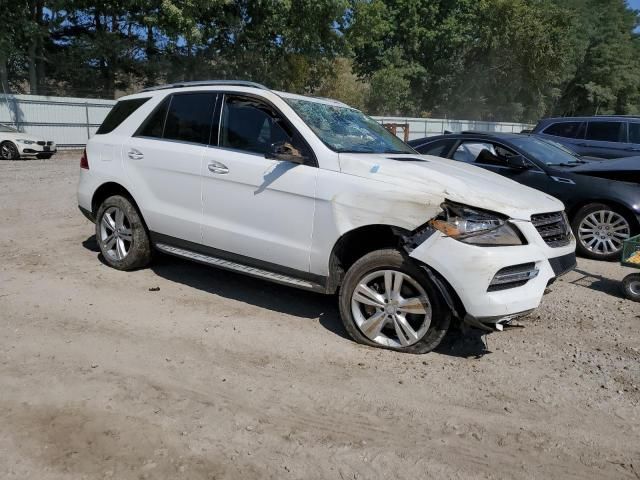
391, 308
387, 300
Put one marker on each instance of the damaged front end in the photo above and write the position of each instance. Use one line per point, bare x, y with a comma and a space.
482, 264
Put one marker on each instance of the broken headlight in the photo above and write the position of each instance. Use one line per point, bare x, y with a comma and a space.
476, 227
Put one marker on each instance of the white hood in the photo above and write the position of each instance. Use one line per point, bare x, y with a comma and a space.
453, 180
19, 135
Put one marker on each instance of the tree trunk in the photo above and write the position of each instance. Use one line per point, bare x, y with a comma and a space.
33, 76
4, 74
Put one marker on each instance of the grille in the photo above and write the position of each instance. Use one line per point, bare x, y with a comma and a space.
41, 142
553, 228
49, 143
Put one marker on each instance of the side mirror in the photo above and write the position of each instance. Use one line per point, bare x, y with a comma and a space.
286, 152
518, 162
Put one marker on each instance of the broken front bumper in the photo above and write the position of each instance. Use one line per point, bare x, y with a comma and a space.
470, 270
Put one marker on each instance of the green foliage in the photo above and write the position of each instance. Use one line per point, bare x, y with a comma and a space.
477, 59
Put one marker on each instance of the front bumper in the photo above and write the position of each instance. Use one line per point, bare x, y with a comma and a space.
469, 270
34, 149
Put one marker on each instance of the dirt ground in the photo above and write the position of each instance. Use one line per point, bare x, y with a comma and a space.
220, 376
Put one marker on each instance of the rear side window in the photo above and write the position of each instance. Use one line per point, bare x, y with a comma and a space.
439, 148
634, 133
189, 118
565, 129
607, 131
153, 126
119, 113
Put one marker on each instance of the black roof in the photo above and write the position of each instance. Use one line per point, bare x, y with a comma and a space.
590, 117
469, 133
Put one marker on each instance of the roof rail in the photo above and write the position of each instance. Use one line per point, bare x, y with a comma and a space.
623, 116
206, 83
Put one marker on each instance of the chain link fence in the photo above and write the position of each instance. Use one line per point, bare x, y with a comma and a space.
71, 121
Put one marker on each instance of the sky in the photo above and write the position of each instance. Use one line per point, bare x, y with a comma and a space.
635, 4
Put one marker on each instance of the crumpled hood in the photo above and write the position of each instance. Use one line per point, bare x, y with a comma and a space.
442, 179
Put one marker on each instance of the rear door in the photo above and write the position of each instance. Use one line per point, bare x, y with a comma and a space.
633, 147
605, 139
164, 161
569, 133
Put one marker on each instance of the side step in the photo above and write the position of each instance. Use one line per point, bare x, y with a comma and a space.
238, 267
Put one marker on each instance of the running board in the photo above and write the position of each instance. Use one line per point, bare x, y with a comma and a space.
237, 267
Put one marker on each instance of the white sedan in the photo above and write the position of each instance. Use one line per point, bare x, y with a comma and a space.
15, 145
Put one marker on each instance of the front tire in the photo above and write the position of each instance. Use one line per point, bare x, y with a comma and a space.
386, 301
8, 151
600, 231
121, 234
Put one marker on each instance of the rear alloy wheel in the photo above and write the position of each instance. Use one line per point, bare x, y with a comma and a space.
386, 301
8, 151
121, 234
601, 231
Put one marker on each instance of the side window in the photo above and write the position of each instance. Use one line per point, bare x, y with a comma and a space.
189, 117
439, 148
473, 151
634, 132
253, 126
118, 114
153, 126
565, 129
607, 131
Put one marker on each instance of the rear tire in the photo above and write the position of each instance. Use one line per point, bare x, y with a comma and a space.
8, 151
121, 234
600, 230
386, 301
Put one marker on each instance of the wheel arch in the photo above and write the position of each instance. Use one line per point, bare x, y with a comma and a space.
108, 189
617, 204
356, 243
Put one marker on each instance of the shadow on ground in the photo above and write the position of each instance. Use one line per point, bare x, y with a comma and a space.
283, 299
598, 282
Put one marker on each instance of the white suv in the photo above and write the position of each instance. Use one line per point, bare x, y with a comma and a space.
313, 194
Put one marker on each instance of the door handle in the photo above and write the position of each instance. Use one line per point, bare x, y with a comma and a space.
134, 154
217, 167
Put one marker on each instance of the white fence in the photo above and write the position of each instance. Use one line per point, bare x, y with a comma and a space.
71, 121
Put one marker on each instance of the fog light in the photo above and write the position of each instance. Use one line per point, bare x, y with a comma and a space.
514, 276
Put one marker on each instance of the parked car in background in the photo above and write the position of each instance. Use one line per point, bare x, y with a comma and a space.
601, 197
15, 145
601, 136
313, 194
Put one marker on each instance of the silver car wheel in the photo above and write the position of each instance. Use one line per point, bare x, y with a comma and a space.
602, 232
115, 233
391, 308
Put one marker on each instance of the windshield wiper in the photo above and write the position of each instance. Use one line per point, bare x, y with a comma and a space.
569, 164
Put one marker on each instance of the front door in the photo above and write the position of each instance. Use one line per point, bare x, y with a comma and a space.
255, 207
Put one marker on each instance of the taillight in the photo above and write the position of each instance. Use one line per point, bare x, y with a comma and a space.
84, 161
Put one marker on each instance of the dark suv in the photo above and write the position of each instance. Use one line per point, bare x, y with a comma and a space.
600, 136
